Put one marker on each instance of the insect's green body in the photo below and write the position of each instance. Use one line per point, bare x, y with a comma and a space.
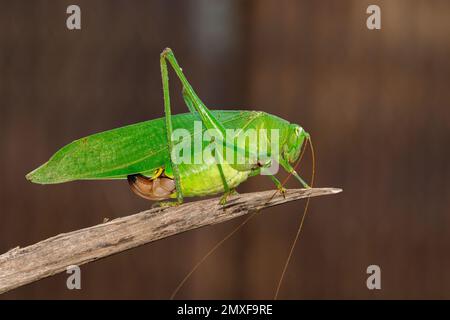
145, 153
142, 148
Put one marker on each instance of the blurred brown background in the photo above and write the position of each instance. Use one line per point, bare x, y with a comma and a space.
375, 102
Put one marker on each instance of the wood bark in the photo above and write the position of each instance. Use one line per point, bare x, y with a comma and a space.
21, 266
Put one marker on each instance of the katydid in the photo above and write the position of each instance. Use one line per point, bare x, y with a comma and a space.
142, 152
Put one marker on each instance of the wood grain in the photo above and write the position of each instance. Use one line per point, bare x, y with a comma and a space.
21, 266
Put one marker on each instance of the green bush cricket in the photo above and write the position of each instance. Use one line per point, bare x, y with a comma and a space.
142, 152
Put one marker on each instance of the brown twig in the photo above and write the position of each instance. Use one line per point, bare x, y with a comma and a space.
21, 266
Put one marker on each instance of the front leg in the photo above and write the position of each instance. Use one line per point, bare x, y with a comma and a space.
291, 170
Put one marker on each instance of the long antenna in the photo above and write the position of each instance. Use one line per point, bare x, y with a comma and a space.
213, 249
209, 253
300, 226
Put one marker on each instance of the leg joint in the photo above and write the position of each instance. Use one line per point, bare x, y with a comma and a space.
166, 52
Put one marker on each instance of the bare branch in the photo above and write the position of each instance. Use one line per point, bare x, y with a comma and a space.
21, 266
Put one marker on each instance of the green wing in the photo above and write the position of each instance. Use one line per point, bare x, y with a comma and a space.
114, 154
